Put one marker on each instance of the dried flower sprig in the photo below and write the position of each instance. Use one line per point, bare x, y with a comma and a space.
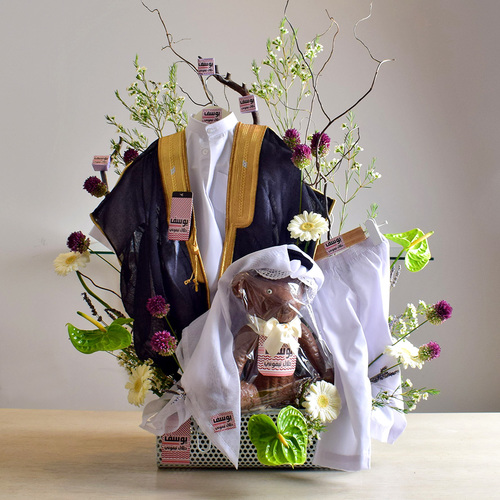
408, 355
322, 172
154, 105
92, 308
289, 76
354, 173
406, 394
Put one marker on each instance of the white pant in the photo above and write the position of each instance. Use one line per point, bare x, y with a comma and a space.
352, 309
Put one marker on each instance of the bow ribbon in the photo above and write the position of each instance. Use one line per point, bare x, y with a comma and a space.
278, 333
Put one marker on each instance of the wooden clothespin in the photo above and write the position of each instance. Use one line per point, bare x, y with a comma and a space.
349, 239
339, 243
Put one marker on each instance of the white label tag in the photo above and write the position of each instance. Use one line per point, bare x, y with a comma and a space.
248, 104
281, 365
211, 115
176, 446
206, 66
334, 245
101, 163
223, 421
181, 209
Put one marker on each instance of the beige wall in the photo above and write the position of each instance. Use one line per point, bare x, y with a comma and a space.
431, 121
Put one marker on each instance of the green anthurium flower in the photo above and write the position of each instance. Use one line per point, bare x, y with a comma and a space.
105, 338
282, 443
416, 245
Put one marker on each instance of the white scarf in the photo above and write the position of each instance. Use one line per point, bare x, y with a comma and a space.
210, 380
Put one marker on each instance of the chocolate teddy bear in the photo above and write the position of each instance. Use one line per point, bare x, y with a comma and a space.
273, 373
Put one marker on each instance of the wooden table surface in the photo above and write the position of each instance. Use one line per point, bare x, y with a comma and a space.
104, 454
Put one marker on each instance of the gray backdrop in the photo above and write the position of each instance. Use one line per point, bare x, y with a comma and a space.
431, 121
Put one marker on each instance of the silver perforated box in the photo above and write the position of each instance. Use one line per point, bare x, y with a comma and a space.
175, 451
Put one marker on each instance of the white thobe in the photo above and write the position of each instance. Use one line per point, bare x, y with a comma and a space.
208, 154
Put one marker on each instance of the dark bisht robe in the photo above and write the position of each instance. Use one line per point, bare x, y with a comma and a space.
263, 197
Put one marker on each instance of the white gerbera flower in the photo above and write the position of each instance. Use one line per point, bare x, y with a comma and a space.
139, 384
323, 401
64, 263
406, 353
307, 226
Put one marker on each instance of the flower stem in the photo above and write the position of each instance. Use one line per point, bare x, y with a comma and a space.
171, 330
105, 260
90, 292
411, 331
397, 258
178, 364
378, 357
300, 194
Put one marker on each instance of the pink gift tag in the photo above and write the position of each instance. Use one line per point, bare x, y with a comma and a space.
334, 245
281, 365
176, 446
211, 115
223, 421
206, 66
181, 210
101, 163
248, 104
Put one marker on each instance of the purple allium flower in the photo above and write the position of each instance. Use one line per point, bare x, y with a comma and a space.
157, 306
323, 146
291, 138
130, 155
429, 351
439, 312
95, 186
163, 343
301, 156
78, 242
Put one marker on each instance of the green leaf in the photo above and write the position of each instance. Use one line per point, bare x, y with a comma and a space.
89, 341
417, 256
290, 426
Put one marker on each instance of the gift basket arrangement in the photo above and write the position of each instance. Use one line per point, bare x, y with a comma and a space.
264, 335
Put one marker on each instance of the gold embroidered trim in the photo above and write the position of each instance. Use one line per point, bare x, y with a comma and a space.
241, 185
172, 157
